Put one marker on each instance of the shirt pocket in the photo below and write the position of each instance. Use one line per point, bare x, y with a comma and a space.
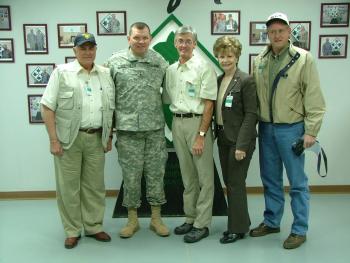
65, 100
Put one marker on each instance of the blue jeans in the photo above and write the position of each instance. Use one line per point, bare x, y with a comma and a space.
275, 142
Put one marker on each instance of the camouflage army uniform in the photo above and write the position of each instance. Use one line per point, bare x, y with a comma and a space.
140, 124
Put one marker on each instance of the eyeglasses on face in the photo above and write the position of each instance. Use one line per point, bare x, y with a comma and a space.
187, 42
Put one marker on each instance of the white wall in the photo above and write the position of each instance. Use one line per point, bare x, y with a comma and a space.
25, 162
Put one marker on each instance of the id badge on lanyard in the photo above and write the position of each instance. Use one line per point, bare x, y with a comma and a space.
229, 101
88, 89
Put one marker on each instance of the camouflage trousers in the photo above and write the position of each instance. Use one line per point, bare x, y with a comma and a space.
142, 153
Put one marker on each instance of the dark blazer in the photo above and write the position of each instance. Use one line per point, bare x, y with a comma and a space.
240, 119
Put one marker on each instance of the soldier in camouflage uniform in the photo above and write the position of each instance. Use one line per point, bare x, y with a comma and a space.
138, 75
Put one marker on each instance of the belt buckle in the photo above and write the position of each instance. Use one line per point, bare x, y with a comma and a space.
90, 130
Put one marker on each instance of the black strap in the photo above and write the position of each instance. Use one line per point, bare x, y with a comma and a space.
319, 161
280, 74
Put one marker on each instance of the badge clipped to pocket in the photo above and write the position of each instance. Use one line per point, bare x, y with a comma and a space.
190, 89
228, 101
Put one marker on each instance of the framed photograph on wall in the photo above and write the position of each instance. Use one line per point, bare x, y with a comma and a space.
69, 59
34, 110
252, 56
68, 32
110, 23
333, 46
35, 39
225, 22
7, 53
334, 15
38, 74
5, 18
301, 34
258, 34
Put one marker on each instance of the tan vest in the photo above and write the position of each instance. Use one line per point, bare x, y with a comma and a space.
69, 108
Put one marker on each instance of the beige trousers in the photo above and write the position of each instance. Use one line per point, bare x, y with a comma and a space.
197, 171
80, 185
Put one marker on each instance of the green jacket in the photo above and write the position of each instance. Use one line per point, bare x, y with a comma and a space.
297, 97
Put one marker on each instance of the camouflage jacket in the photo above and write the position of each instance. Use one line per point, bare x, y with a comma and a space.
138, 84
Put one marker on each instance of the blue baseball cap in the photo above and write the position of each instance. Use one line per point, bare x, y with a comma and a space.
83, 38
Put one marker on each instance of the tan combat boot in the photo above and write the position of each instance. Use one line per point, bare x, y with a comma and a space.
132, 226
157, 224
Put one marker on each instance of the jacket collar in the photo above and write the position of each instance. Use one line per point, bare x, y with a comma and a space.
291, 50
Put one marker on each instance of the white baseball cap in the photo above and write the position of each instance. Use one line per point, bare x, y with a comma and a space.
277, 17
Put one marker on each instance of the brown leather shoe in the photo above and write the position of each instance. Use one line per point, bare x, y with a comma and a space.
71, 242
263, 230
101, 236
294, 241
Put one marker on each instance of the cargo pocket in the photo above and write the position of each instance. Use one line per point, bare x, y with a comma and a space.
63, 129
65, 100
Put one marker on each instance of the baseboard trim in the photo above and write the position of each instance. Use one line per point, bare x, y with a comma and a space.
20, 195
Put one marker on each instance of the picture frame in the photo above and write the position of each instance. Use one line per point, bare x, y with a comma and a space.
334, 15
67, 33
34, 108
252, 56
69, 59
258, 33
301, 34
333, 46
7, 52
111, 23
35, 39
225, 22
5, 18
38, 74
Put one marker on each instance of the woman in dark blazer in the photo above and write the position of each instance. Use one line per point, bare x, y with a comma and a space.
235, 118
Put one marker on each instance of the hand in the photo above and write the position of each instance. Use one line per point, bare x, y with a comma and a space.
56, 148
309, 140
239, 155
109, 145
198, 146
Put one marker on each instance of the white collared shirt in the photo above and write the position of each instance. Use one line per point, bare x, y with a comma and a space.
89, 85
189, 83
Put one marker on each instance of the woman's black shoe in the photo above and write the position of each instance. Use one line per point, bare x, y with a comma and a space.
230, 238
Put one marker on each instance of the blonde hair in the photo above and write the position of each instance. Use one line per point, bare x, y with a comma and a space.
227, 44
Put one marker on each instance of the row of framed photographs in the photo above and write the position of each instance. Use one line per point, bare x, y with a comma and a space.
330, 46
108, 22
228, 22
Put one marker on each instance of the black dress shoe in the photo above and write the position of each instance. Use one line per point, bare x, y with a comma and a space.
183, 229
230, 238
196, 234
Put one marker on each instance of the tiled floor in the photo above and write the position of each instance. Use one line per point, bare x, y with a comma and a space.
31, 231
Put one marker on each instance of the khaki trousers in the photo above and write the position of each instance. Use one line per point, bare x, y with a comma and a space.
197, 171
80, 185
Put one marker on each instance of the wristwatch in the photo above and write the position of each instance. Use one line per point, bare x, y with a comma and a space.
201, 133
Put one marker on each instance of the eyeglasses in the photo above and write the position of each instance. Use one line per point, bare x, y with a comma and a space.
186, 42
277, 31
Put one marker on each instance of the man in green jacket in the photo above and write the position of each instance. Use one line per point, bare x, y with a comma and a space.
291, 106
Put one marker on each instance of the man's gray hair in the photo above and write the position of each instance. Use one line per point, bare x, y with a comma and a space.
186, 29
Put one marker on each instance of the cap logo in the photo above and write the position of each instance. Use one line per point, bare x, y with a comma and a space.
86, 35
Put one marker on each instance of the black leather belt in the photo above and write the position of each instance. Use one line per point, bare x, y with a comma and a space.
186, 115
91, 130
220, 127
